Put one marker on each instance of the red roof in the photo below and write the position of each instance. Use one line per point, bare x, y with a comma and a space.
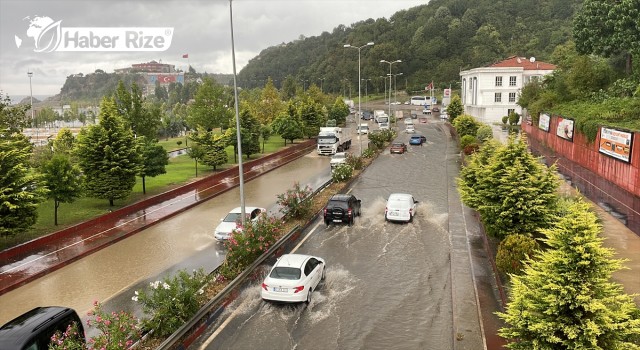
525, 63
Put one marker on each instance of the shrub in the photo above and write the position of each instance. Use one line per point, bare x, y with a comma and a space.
342, 173
355, 161
512, 251
170, 303
484, 133
244, 247
179, 142
116, 331
467, 140
514, 118
466, 125
470, 149
293, 201
377, 139
368, 153
505, 119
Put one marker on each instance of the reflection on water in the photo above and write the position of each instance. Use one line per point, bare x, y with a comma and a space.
148, 253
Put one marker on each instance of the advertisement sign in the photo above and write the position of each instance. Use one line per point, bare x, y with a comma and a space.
565, 128
544, 121
616, 143
165, 78
447, 92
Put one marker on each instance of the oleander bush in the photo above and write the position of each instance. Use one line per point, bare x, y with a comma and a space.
293, 201
342, 173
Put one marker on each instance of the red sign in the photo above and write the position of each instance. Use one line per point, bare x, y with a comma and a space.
447, 92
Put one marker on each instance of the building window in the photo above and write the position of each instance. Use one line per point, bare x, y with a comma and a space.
512, 97
510, 110
498, 81
512, 81
498, 97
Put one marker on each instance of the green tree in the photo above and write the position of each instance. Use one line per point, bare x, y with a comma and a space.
20, 189
265, 134
455, 108
108, 155
288, 127
565, 298
470, 182
154, 160
269, 104
13, 119
339, 111
466, 125
607, 28
131, 108
209, 148
249, 134
212, 108
63, 179
64, 142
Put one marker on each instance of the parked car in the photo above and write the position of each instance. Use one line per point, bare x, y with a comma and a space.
342, 208
400, 207
34, 329
410, 129
417, 140
414, 115
426, 110
233, 221
293, 278
398, 147
367, 115
435, 109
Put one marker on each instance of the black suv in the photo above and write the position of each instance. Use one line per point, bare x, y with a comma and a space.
33, 329
342, 208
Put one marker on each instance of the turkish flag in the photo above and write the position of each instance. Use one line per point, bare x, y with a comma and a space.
186, 55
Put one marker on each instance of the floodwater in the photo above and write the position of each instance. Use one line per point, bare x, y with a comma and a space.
183, 241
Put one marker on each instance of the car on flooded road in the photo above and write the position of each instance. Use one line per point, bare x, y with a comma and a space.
342, 208
398, 147
400, 207
293, 278
233, 221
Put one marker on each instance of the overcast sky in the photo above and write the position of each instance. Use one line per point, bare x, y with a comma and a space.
201, 29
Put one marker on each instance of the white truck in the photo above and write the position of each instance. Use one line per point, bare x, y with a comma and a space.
333, 140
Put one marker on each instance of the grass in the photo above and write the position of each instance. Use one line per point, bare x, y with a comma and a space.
180, 170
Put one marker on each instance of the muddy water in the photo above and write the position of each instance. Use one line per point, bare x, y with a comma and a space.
167, 245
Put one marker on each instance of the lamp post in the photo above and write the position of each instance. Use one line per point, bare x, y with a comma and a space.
303, 84
33, 121
390, 64
321, 84
366, 89
395, 88
384, 78
239, 140
359, 86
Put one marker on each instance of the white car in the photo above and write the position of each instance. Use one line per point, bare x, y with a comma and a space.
400, 207
363, 129
338, 159
383, 126
410, 129
233, 221
293, 278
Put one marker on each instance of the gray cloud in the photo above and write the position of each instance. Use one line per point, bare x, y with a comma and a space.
201, 29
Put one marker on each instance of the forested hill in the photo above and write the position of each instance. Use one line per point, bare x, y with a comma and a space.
434, 41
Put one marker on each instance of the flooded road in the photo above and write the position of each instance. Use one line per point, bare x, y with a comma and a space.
388, 285
183, 241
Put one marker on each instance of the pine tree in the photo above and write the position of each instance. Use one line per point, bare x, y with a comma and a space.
108, 155
565, 299
154, 160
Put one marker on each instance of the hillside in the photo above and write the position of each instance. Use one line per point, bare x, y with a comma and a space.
435, 41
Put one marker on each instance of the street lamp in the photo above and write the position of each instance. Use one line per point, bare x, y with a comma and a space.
384, 78
321, 84
303, 84
390, 64
359, 86
243, 216
366, 91
395, 87
33, 121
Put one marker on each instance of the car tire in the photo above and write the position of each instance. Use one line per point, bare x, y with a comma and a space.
350, 222
326, 222
410, 218
324, 273
309, 297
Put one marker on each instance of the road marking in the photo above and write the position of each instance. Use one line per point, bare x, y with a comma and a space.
235, 312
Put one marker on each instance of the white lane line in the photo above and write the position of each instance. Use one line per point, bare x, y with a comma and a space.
237, 310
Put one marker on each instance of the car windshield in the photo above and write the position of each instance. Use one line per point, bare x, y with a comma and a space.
397, 145
338, 156
416, 137
233, 217
285, 273
337, 204
327, 139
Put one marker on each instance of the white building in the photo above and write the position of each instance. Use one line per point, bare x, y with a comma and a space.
489, 93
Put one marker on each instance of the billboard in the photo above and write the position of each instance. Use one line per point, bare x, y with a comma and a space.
544, 121
616, 143
565, 128
165, 78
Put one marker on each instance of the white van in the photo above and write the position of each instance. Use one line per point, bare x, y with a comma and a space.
400, 207
363, 129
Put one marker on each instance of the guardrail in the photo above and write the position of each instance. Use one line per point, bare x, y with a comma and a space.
210, 312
